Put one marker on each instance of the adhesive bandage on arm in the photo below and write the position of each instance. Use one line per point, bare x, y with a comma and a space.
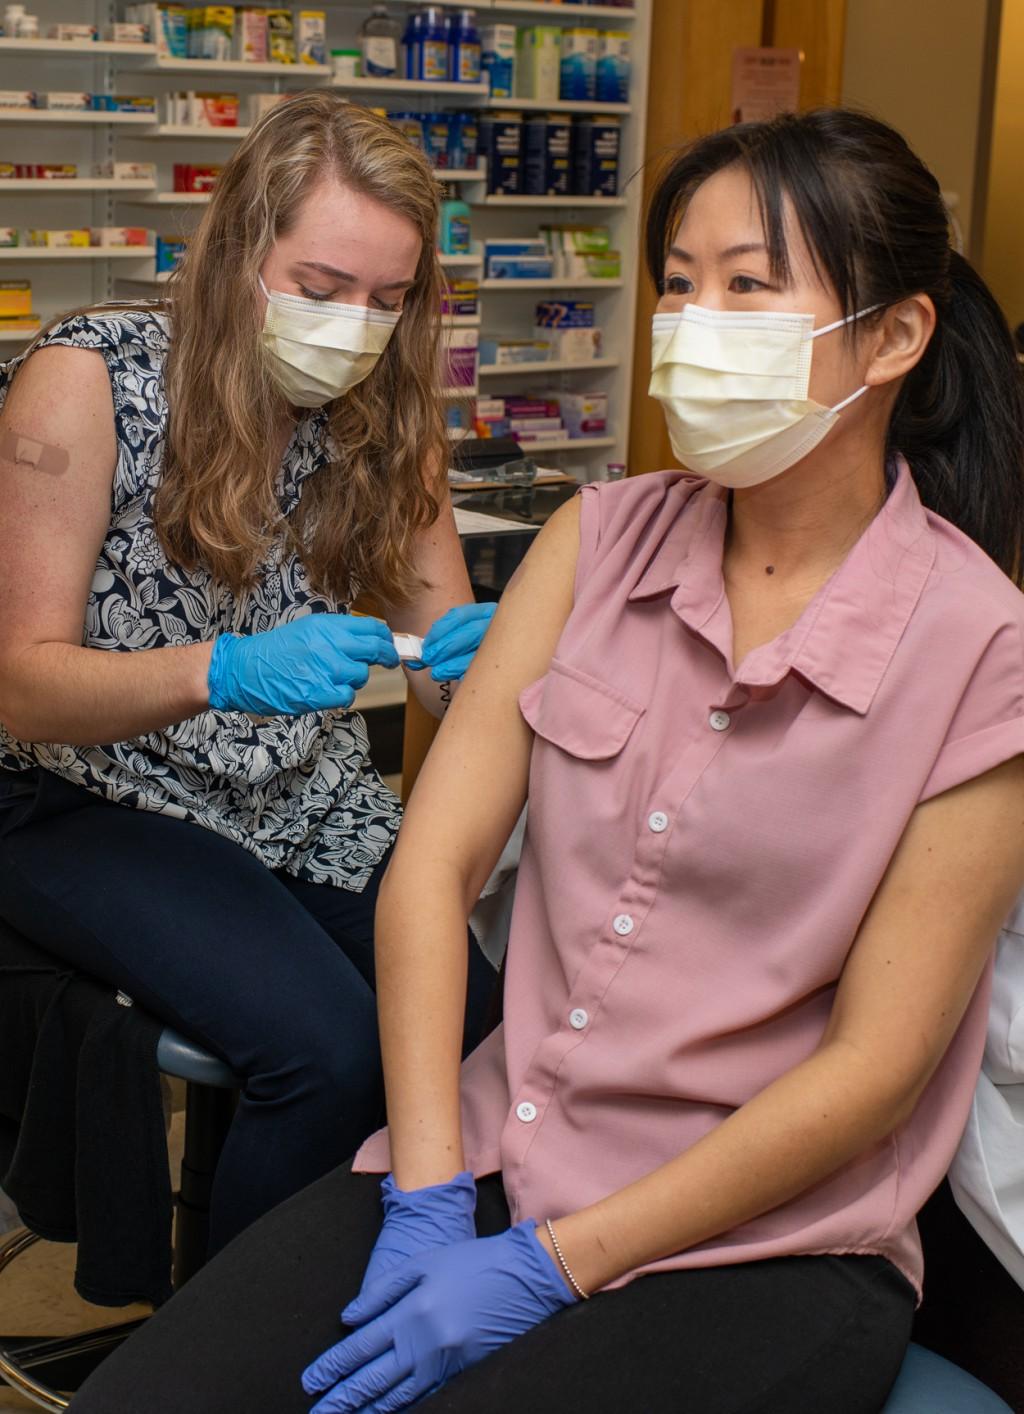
407, 646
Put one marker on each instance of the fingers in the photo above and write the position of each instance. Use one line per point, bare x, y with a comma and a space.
370, 641
399, 1398
453, 643
382, 1296
348, 1356
374, 1381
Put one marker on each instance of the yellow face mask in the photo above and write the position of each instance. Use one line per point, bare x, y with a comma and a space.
733, 385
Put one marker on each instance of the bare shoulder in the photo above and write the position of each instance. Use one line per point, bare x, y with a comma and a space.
39, 391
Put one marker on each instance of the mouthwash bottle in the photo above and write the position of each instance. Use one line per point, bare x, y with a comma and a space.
379, 40
464, 54
433, 46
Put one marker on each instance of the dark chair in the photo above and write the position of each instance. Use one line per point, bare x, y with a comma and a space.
41, 1367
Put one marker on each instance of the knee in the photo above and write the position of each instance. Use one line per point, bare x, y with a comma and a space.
324, 1054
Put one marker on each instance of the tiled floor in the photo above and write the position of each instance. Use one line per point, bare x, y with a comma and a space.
37, 1295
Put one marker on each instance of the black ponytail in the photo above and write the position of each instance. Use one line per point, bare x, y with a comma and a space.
874, 221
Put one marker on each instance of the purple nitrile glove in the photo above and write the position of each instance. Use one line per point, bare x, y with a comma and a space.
417, 1220
453, 639
438, 1314
311, 664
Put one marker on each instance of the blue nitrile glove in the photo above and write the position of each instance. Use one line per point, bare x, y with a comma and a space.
449, 646
309, 665
440, 1312
417, 1220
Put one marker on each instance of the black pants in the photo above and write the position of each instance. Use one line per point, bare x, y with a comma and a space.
798, 1335
272, 974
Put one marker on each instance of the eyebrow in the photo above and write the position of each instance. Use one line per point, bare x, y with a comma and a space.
343, 275
748, 248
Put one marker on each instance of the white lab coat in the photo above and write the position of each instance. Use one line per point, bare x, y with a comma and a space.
987, 1174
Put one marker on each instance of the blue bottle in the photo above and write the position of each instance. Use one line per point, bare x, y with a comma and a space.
464, 55
433, 48
411, 45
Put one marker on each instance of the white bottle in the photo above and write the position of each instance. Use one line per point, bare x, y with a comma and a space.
379, 39
12, 14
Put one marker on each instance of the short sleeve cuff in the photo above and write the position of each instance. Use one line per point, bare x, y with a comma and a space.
973, 755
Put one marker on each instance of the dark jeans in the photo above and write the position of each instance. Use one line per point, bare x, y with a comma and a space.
270, 973
797, 1335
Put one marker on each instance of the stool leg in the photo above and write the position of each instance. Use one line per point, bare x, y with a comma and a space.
208, 1115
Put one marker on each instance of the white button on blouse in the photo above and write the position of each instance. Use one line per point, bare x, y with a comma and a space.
578, 1018
719, 721
526, 1112
623, 925
657, 822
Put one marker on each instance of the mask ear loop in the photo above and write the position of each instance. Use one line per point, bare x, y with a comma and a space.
838, 323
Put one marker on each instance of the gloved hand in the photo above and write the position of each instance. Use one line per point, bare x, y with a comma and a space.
308, 665
441, 1312
417, 1220
453, 639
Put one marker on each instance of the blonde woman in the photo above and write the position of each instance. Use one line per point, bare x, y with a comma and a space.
192, 493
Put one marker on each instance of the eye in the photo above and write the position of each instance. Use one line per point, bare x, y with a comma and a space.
746, 285
677, 285
391, 308
313, 294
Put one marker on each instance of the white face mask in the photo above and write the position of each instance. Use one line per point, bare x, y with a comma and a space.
320, 350
734, 390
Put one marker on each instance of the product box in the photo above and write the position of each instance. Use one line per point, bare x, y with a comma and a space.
121, 32
595, 156
547, 155
59, 239
536, 424
281, 36
9, 237
15, 299
8, 170
256, 104
167, 26
564, 314
520, 267
251, 39
17, 98
461, 358
19, 323
613, 67
71, 32
168, 253
53, 171
460, 297
490, 407
585, 414
463, 141
125, 103
211, 32
188, 178
531, 407
212, 110
512, 353
572, 345
311, 36
131, 171
537, 63
68, 102
498, 58
118, 236
577, 74
501, 140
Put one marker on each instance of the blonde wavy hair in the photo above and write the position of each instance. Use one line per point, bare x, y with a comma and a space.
216, 505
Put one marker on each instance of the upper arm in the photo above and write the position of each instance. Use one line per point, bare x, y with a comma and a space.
473, 783
931, 926
54, 502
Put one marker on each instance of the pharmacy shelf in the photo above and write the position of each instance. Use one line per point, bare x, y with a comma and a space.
608, 202
413, 86
236, 68
48, 186
29, 252
552, 284
461, 262
77, 48
567, 444
171, 198
532, 370
461, 174
186, 131
147, 280
562, 10
557, 105
59, 115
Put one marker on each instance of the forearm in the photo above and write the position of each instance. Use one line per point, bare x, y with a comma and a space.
421, 955
799, 1130
57, 692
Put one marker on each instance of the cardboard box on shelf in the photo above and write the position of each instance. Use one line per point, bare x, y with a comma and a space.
281, 36
564, 313
17, 98
572, 345
168, 253
212, 110
118, 236
123, 32
585, 414
9, 236
68, 102
71, 32
256, 104
211, 30
8, 170
251, 36
311, 36
537, 63
188, 178
513, 353
126, 171
19, 323
166, 25
59, 240
15, 298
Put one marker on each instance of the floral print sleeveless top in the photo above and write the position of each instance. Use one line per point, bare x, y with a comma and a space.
297, 792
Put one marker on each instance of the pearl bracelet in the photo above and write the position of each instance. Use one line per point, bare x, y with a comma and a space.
583, 1295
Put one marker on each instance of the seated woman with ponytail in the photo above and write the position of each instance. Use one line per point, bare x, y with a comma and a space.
769, 712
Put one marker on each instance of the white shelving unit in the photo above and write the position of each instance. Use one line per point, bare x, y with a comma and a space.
64, 279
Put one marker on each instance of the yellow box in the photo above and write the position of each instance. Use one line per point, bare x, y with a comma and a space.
15, 298
59, 239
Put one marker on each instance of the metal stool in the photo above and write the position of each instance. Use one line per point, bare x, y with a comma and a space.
209, 1105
